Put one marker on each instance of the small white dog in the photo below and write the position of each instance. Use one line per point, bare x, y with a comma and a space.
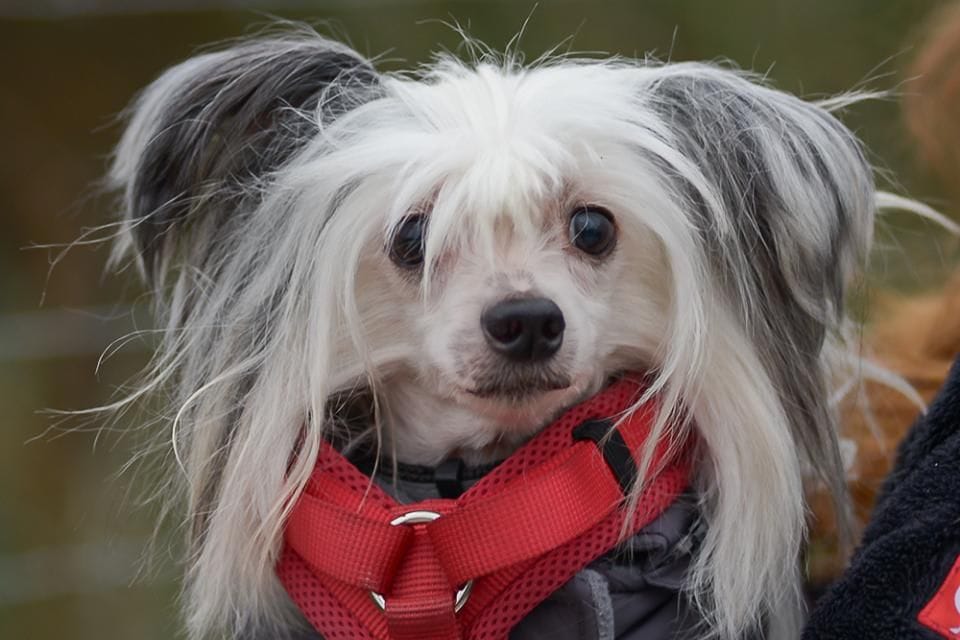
437, 264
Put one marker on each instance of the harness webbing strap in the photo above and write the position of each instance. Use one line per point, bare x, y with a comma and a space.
421, 603
338, 542
518, 534
530, 516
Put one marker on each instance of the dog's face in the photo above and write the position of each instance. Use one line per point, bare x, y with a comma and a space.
481, 246
516, 331
518, 274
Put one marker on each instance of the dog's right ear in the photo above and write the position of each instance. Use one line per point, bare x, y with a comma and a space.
202, 137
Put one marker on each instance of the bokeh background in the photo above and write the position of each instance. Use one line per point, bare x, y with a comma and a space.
72, 533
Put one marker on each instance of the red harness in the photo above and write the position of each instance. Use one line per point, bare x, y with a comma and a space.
360, 566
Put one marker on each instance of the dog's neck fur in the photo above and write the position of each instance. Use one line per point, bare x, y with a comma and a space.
413, 416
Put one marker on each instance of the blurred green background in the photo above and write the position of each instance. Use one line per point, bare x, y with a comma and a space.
71, 533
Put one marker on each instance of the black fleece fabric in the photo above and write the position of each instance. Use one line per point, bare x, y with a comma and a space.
911, 542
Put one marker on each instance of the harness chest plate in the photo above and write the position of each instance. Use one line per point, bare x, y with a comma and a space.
361, 566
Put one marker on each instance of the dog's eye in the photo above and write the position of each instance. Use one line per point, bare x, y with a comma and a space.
407, 247
592, 230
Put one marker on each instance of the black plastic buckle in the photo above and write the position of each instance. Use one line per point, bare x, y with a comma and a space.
449, 478
614, 448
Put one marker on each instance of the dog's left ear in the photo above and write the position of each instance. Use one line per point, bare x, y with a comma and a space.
783, 200
795, 190
204, 135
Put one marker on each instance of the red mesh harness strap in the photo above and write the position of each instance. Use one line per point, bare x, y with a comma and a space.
515, 537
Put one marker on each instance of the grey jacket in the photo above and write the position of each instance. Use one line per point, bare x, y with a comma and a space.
634, 593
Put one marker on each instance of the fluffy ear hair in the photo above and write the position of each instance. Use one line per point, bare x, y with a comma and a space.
206, 134
798, 204
783, 202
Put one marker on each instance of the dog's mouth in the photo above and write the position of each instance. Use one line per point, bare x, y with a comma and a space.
512, 388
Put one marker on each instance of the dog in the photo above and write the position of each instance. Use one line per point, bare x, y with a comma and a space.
437, 264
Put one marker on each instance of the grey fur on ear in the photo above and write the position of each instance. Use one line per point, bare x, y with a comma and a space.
753, 143
205, 134
798, 208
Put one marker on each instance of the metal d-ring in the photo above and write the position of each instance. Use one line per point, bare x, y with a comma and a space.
421, 517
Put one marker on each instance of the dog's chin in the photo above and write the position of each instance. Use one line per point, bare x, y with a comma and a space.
520, 410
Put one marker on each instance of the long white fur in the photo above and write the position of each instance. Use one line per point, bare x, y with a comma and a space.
498, 154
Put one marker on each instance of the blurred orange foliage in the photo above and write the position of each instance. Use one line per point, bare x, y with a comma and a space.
917, 337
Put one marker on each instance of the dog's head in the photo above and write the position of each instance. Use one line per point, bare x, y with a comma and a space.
486, 244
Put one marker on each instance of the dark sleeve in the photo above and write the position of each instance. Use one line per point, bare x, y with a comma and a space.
911, 542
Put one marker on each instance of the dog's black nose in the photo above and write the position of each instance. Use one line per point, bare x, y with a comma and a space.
524, 329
